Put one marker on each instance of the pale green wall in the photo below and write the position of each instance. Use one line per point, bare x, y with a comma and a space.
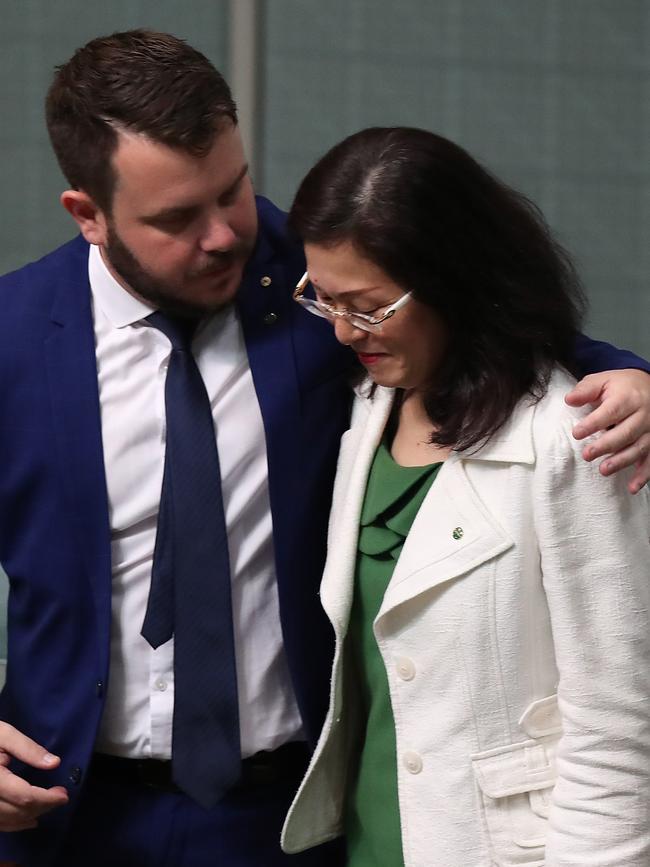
553, 95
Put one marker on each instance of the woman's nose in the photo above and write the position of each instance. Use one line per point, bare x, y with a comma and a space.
345, 332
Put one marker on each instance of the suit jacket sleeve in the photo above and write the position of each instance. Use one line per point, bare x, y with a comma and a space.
593, 356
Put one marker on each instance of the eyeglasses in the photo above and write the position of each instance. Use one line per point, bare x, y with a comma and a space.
358, 320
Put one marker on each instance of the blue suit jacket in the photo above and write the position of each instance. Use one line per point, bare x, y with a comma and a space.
54, 525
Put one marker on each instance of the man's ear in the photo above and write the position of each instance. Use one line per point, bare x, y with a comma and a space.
90, 218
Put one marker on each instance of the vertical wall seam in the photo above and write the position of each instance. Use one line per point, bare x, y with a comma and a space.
244, 70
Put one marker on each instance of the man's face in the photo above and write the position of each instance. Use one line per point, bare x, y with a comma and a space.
182, 227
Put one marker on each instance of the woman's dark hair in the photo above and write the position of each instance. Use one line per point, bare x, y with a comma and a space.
476, 251
138, 80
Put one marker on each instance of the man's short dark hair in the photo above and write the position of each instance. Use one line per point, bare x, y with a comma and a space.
141, 81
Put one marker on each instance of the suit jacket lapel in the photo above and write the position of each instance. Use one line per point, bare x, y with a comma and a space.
263, 304
72, 380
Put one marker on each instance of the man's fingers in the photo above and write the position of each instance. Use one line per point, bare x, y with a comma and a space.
603, 417
621, 438
25, 815
616, 395
21, 803
641, 475
638, 454
15, 818
28, 801
588, 390
18, 826
16, 744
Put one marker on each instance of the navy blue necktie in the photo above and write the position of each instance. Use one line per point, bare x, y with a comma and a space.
190, 583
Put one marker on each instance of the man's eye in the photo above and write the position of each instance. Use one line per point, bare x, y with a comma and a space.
230, 196
173, 223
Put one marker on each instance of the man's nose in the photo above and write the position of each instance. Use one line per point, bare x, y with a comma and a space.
218, 236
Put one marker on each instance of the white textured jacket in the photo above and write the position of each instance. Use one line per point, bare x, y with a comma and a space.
515, 632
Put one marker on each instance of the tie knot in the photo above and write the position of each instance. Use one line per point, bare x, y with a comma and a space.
179, 331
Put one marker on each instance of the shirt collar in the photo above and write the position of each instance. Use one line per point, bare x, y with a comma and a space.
120, 307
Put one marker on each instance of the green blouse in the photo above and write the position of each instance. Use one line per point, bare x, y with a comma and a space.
393, 497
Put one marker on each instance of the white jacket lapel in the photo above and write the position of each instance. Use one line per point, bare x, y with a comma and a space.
452, 533
355, 459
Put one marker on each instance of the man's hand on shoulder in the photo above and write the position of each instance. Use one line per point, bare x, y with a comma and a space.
21, 804
621, 400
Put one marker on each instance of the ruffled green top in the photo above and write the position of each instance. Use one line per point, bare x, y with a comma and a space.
393, 497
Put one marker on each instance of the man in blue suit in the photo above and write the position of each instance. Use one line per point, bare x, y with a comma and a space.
146, 133
145, 130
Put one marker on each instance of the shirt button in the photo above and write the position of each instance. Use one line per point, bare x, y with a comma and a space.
265, 281
412, 762
161, 685
99, 688
405, 668
270, 318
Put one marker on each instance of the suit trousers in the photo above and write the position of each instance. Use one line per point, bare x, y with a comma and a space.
134, 825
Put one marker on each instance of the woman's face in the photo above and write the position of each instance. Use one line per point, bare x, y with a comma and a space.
407, 349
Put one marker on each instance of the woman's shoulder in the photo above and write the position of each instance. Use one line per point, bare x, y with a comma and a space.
534, 424
552, 422
557, 451
551, 413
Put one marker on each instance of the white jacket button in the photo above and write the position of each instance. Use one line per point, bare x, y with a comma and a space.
412, 762
405, 668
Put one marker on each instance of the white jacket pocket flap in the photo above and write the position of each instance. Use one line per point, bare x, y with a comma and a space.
516, 768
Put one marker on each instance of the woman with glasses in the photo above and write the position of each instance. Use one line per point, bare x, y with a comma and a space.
488, 588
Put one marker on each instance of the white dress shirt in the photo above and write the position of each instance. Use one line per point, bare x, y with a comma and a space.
132, 359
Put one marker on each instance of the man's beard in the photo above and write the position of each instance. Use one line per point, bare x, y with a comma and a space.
157, 292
